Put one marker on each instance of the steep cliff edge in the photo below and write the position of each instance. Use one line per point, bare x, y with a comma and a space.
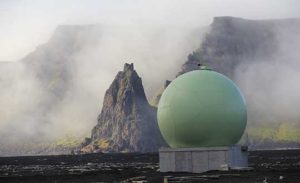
232, 41
127, 123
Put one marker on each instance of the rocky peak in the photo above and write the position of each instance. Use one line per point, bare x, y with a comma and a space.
127, 123
125, 90
128, 67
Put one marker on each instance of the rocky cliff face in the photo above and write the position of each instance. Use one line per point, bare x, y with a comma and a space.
234, 41
127, 123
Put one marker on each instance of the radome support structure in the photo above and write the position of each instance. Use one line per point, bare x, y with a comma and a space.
202, 115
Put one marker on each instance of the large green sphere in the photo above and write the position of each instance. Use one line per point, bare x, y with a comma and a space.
202, 109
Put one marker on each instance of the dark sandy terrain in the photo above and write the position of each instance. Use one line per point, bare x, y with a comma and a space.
268, 166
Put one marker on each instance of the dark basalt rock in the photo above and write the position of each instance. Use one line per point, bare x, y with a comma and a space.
232, 41
127, 123
192, 63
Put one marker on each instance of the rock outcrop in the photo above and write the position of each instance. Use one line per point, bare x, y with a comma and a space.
127, 123
234, 41
192, 63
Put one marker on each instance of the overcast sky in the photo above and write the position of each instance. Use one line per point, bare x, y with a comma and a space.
24, 24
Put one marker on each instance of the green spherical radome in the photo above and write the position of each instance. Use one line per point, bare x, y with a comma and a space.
202, 109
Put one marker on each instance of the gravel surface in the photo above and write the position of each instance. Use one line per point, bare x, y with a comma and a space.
268, 166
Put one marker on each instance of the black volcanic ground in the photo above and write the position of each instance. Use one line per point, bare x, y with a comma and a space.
273, 166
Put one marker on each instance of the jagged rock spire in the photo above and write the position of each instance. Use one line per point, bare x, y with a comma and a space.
127, 123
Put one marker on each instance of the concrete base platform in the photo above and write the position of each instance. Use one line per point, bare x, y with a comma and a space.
197, 160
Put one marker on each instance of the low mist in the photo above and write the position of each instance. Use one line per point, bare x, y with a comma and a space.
271, 85
156, 36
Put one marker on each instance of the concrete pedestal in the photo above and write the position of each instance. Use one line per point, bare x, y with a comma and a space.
202, 159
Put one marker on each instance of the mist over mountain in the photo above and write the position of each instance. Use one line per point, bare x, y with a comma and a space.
55, 92
52, 96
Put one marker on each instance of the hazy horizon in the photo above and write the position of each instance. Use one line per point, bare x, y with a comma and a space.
25, 24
